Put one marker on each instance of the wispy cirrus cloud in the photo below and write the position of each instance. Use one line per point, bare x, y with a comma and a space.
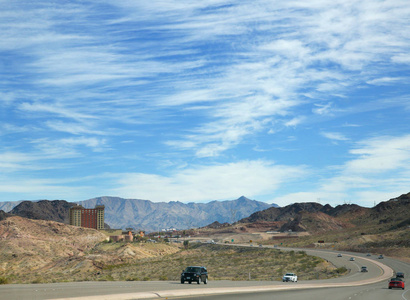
200, 81
337, 136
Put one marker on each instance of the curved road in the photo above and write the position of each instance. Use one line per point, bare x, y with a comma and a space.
373, 291
355, 285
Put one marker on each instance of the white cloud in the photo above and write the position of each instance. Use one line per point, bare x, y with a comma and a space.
380, 168
384, 80
55, 109
274, 67
13, 161
295, 121
6, 98
67, 147
401, 59
73, 128
337, 136
380, 155
378, 171
323, 109
204, 183
261, 80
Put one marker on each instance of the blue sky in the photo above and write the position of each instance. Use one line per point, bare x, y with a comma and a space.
193, 101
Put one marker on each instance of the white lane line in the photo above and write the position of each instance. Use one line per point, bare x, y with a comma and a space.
358, 268
402, 295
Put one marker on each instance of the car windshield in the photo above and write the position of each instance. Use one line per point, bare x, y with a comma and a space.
289, 274
192, 269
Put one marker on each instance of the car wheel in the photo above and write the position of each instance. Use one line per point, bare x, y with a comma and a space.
182, 281
389, 287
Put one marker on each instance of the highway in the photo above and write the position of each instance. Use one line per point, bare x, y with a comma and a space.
375, 291
356, 285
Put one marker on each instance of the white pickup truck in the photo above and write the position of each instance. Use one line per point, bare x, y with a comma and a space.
290, 277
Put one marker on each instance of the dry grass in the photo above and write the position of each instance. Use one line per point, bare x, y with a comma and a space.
225, 263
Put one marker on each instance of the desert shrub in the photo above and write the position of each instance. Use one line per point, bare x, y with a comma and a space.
341, 270
38, 280
4, 280
132, 278
107, 278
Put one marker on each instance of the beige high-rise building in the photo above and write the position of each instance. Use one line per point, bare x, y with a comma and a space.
87, 217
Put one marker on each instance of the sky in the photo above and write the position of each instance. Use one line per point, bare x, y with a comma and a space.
194, 101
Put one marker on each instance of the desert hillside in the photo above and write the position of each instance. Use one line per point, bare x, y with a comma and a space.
33, 250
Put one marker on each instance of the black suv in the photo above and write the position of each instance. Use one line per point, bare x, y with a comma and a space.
198, 274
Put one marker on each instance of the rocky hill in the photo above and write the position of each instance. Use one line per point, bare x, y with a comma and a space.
153, 216
314, 222
56, 210
314, 217
286, 213
396, 210
3, 215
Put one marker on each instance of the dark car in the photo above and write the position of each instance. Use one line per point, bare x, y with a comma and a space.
399, 275
396, 283
364, 269
195, 273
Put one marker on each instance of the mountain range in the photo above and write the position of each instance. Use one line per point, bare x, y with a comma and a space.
154, 216
144, 214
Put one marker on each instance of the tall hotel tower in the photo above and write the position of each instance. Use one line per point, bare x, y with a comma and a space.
87, 217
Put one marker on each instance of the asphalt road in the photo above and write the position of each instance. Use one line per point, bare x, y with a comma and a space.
375, 291
317, 289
